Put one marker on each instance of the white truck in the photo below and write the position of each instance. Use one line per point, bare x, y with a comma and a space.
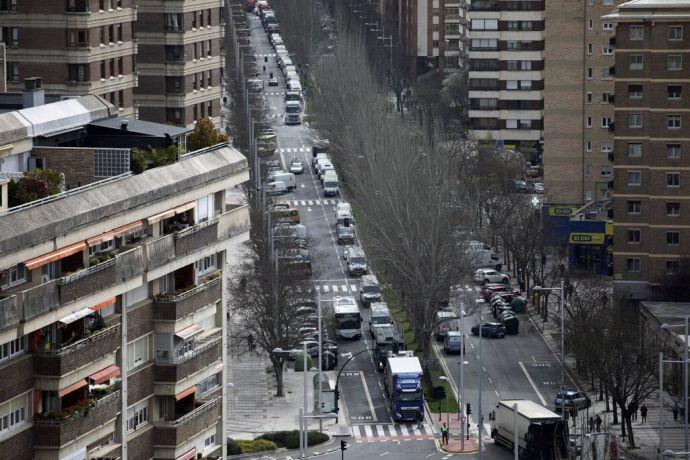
347, 318
541, 433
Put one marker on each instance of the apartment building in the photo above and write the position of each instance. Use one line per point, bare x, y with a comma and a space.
431, 32
651, 190
506, 53
180, 62
578, 101
78, 47
112, 326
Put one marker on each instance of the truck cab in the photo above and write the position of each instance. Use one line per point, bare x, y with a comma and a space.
293, 113
388, 340
403, 384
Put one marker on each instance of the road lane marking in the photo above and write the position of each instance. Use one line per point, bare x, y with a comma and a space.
385, 453
366, 393
353, 288
335, 288
343, 288
367, 431
531, 382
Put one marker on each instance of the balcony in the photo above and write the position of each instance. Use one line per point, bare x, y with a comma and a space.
205, 354
62, 360
189, 240
58, 429
172, 433
121, 267
174, 307
9, 312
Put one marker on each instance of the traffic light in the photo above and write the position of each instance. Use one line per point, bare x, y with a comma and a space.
469, 409
343, 445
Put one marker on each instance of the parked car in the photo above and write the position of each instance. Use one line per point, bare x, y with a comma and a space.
538, 187
571, 399
346, 235
273, 81
489, 290
256, 85
494, 330
489, 275
369, 290
356, 261
276, 188
293, 235
296, 166
297, 259
272, 28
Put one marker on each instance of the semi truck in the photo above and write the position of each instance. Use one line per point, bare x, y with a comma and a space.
541, 433
403, 384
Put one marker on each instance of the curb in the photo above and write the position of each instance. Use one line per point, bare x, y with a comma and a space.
281, 450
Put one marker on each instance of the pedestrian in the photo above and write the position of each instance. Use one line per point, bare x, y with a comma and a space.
643, 413
444, 433
250, 342
633, 411
598, 422
591, 424
675, 409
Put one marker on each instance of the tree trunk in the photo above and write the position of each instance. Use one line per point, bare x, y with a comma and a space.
623, 424
606, 395
278, 369
615, 412
631, 438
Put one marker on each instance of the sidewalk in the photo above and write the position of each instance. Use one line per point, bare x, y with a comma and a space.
454, 444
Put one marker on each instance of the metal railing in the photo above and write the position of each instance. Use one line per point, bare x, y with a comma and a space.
86, 272
210, 404
54, 421
73, 347
186, 294
212, 341
191, 230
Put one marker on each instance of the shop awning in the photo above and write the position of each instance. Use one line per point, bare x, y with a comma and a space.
188, 332
129, 228
185, 393
160, 216
69, 319
104, 375
185, 207
189, 455
74, 387
102, 305
55, 255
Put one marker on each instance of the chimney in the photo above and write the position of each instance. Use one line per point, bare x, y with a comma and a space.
123, 124
33, 94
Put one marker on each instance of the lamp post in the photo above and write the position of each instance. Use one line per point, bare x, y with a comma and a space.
685, 379
562, 289
445, 403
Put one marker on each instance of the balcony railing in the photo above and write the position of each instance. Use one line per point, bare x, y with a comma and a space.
60, 430
9, 312
175, 370
60, 361
173, 432
174, 307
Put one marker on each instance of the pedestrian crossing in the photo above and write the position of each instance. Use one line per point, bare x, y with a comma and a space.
392, 432
266, 55
336, 288
294, 150
324, 202
274, 93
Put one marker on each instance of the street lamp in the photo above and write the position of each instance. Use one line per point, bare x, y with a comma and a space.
685, 377
444, 379
562, 289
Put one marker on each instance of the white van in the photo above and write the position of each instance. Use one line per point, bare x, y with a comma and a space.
287, 178
287, 69
325, 170
315, 160
380, 317
320, 162
343, 208
276, 188
284, 61
293, 113
480, 258
291, 75
331, 187
294, 85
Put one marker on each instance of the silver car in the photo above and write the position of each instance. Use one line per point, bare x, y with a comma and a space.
296, 166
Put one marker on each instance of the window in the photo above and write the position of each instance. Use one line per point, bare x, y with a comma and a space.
103, 70
588, 195
434, 27
606, 73
138, 352
674, 62
634, 178
512, 44
434, 43
588, 170
589, 73
673, 121
210, 441
590, 24
673, 92
12, 348
511, 65
205, 265
606, 121
634, 207
13, 413
634, 150
118, 28
13, 276
672, 238
672, 150
635, 91
452, 28
635, 62
590, 48
484, 43
588, 97
675, 33
634, 236
209, 112
8, 5
673, 208
636, 33
606, 49
632, 264
607, 26
634, 120
606, 170
606, 146
588, 146
672, 267
137, 414
208, 384
672, 179
589, 122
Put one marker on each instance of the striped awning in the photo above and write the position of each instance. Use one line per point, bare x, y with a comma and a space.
185, 393
55, 255
74, 387
104, 375
102, 305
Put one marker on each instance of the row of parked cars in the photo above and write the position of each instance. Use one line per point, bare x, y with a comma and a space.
324, 169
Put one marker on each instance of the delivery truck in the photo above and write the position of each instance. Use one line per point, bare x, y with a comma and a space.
403, 383
541, 433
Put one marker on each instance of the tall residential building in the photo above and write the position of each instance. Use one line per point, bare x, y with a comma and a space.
180, 60
651, 190
112, 295
431, 32
578, 101
506, 52
78, 47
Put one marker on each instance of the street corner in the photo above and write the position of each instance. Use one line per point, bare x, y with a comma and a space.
455, 446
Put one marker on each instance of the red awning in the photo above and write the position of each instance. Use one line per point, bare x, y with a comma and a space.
102, 305
129, 228
74, 387
189, 455
55, 255
102, 238
160, 216
185, 393
104, 375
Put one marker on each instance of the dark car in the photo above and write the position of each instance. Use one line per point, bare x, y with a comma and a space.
488, 290
272, 28
571, 399
494, 330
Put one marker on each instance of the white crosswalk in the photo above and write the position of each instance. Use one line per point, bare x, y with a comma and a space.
336, 288
294, 150
324, 202
266, 55
384, 432
274, 93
